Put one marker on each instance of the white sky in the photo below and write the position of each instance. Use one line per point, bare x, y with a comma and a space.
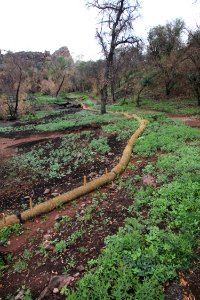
39, 25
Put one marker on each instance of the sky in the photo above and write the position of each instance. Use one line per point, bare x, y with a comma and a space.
39, 25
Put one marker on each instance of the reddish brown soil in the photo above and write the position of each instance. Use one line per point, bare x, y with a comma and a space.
8, 146
191, 121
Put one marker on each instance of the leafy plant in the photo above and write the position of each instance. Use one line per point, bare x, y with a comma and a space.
19, 266
60, 246
6, 231
100, 145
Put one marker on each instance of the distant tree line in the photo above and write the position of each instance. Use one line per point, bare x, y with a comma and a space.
167, 65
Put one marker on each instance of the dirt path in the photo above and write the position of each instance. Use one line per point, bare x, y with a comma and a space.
191, 121
8, 146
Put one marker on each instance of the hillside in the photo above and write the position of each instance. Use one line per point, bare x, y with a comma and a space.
135, 238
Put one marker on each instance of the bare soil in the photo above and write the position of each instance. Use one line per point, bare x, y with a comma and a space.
191, 121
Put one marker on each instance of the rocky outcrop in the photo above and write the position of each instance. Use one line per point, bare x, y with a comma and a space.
62, 52
38, 58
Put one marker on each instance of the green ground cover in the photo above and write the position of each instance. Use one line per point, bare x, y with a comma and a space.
176, 106
80, 118
152, 247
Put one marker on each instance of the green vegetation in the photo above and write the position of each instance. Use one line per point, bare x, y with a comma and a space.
19, 266
182, 106
80, 118
41, 99
151, 247
60, 246
6, 232
123, 128
161, 236
54, 159
100, 145
176, 106
40, 115
164, 134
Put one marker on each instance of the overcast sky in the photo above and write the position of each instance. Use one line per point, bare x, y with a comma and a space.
39, 25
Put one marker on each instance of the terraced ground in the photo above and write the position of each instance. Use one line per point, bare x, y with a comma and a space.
137, 238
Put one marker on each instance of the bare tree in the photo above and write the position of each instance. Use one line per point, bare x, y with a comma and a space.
13, 75
116, 29
59, 68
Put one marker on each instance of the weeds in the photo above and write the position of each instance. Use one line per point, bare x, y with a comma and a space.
5, 232
147, 252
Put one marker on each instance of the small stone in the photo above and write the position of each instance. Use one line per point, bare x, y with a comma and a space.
49, 248
26, 197
80, 268
68, 280
54, 194
77, 275
55, 290
19, 295
110, 153
58, 218
8, 243
47, 237
47, 191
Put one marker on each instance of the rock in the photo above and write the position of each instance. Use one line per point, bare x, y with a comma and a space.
20, 295
54, 194
62, 52
92, 174
77, 275
55, 290
55, 283
80, 268
26, 197
47, 237
148, 180
47, 191
49, 247
110, 153
58, 218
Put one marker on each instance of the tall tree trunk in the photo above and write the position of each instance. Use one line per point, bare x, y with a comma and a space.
138, 96
198, 98
112, 87
60, 86
104, 89
103, 93
197, 91
17, 93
